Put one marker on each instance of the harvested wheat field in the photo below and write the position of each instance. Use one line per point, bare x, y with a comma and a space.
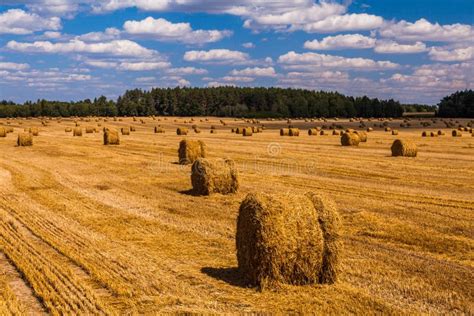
92, 229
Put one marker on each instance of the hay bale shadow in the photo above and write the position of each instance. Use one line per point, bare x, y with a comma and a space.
232, 276
190, 192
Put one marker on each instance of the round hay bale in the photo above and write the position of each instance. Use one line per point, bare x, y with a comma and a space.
424, 134
388, 129
284, 132
313, 132
404, 148
336, 132
362, 136
197, 130
77, 132
395, 132
9, 129
125, 130
34, 131
111, 137
182, 131
294, 132
441, 133
3, 132
239, 130
248, 131
456, 133
288, 238
89, 130
214, 176
24, 139
350, 139
213, 131
433, 134
159, 130
190, 150
132, 128
232, 130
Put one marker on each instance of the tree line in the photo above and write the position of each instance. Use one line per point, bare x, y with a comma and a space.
458, 104
218, 101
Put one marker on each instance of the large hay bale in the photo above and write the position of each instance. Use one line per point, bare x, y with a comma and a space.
456, 133
25, 139
190, 150
77, 132
284, 132
214, 176
248, 131
362, 136
404, 148
313, 132
89, 130
111, 137
182, 131
350, 139
34, 131
294, 132
288, 238
3, 132
125, 130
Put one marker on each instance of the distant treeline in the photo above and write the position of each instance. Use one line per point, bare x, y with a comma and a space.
459, 104
218, 101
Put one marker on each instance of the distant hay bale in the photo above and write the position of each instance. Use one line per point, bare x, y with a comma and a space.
34, 131
197, 130
284, 132
294, 132
190, 150
362, 136
239, 130
441, 133
288, 239
9, 129
404, 148
323, 133
77, 132
456, 133
24, 139
247, 131
433, 134
89, 130
388, 129
182, 131
214, 176
232, 130
213, 131
350, 139
424, 134
336, 132
395, 132
159, 130
111, 137
125, 130
132, 128
313, 132
3, 132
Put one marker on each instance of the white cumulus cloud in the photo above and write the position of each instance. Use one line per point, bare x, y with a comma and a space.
216, 55
17, 21
354, 41
391, 47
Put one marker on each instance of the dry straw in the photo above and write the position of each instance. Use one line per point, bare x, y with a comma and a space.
214, 176
77, 132
182, 131
404, 148
111, 137
350, 139
288, 239
190, 150
25, 139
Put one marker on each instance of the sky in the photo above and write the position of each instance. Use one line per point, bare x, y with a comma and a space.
415, 51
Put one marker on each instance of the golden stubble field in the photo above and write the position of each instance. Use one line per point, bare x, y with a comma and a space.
93, 229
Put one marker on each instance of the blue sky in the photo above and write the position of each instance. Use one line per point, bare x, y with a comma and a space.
412, 51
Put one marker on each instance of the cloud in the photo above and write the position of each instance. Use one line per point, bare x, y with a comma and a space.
339, 23
128, 65
17, 21
292, 60
163, 30
451, 54
216, 55
355, 41
423, 30
115, 48
13, 66
237, 79
391, 47
255, 72
109, 34
187, 71
248, 45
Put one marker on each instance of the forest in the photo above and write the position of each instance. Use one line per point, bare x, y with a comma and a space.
232, 102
